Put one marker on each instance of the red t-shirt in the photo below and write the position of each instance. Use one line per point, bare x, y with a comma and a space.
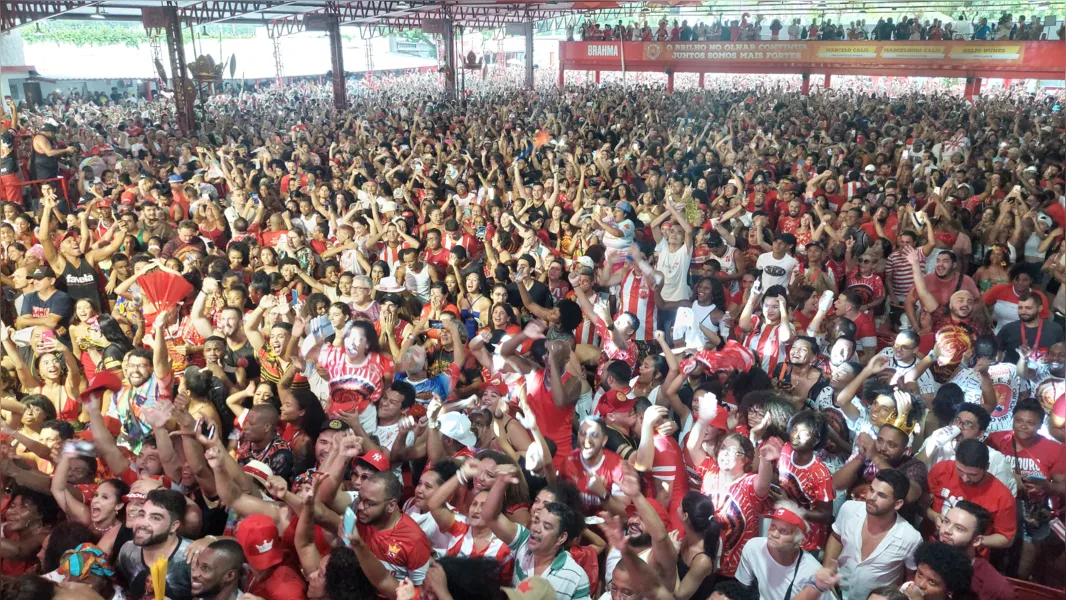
947, 489
284, 583
556, 423
1043, 458
609, 471
404, 549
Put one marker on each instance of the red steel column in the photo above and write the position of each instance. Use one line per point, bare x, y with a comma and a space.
701, 80
597, 76
805, 88
670, 82
562, 76
828, 81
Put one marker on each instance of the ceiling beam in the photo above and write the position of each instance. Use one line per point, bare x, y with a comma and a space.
208, 12
14, 13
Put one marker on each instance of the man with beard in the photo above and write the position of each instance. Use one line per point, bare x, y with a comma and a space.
645, 529
147, 380
945, 293
862, 529
1032, 330
216, 571
231, 327
539, 550
155, 536
800, 379
389, 544
961, 527
616, 407
777, 564
153, 224
1002, 300
887, 452
967, 478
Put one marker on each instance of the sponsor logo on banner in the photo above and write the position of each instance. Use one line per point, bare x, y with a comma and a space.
985, 52
912, 51
603, 50
848, 51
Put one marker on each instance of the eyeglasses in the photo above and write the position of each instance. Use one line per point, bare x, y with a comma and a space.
965, 425
617, 592
904, 347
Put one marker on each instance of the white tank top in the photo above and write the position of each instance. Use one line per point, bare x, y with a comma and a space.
418, 283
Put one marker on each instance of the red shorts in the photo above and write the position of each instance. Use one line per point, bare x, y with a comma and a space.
11, 188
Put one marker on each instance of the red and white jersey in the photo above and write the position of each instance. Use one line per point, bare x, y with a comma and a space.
608, 470
404, 549
391, 255
668, 468
729, 261
869, 286
351, 386
693, 471
609, 351
805, 485
638, 297
737, 508
764, 341
586, 331
461, 543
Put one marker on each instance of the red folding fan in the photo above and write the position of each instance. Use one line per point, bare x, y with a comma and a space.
163, 289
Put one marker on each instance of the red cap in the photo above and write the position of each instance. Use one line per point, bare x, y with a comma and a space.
615, 401
375, 459
788, 516
721, 419
103, 380
258, 536
659, 510
496, 383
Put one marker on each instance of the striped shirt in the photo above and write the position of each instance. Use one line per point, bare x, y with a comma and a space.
898, 272
568, 579
638, 297
461, 543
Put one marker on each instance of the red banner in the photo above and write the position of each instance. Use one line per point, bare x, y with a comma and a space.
1019, 59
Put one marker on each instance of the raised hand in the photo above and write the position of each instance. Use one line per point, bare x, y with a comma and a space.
770, 450
351, 446
277, 487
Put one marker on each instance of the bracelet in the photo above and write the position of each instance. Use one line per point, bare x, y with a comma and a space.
462, 478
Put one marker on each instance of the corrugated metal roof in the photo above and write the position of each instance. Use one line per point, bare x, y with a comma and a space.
302, 54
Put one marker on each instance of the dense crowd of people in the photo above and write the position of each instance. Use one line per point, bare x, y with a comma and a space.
747, 28
728, 343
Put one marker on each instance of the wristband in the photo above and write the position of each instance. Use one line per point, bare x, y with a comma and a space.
459, 475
